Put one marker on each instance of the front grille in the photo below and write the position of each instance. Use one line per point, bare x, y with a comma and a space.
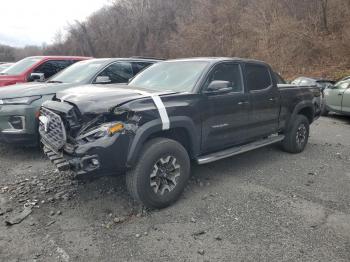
51, 129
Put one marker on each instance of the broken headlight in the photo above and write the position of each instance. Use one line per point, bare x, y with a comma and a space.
102, 131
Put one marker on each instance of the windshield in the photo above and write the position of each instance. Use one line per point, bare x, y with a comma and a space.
177, 76
78, 72
4, 66
21, 66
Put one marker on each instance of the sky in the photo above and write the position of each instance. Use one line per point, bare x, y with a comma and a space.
34, 22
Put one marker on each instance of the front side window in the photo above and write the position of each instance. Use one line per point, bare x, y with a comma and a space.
176, 76
258, 77
119, 72
227, 72
21, 66
52, 67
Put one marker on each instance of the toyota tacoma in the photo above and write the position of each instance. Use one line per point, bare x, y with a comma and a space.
174, 112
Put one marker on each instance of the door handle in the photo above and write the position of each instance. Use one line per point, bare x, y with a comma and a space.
272, 99
340, 94
243, 103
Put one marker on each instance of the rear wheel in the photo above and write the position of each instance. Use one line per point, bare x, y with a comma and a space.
297, 137
161, 173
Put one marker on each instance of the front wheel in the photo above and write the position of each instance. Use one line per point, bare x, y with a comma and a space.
297, 137
161, 173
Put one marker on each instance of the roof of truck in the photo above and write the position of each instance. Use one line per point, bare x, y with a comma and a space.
218, 59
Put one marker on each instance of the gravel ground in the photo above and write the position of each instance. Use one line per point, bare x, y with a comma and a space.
264, 205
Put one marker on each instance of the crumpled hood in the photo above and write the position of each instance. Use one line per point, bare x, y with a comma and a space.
97, 99
32, 89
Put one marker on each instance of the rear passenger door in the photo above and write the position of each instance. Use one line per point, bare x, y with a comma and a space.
265, 100
334, 95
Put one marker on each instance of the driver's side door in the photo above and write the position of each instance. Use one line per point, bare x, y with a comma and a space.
225, 117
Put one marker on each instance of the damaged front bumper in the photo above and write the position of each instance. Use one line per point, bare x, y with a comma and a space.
106, 155
83, 165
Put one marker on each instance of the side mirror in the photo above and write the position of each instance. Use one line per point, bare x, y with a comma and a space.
37, 77
102, 80
218, 87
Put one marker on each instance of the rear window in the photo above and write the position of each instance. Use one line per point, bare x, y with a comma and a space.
257, 77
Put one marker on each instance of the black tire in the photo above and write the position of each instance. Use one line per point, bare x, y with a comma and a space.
150, 162
297, 137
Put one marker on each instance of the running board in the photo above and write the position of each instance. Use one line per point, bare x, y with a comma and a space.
239, 149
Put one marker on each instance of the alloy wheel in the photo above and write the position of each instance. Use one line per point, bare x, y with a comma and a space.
164, 175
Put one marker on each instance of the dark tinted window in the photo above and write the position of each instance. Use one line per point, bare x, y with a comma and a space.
119, 72
51, 68
227, 72
258, 77
139, 66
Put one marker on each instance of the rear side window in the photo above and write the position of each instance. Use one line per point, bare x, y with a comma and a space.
227, 72
52, 67
258, 77
139, 66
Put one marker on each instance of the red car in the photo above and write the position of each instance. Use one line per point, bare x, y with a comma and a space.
36, 68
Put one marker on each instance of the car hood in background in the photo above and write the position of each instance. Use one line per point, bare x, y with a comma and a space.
32, 89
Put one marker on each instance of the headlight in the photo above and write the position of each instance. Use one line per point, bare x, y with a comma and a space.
19, 100
103, 130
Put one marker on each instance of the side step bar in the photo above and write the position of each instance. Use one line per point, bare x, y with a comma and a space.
239, 149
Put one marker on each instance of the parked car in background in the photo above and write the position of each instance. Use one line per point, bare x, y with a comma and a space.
313, 84
36, 68
321, 83
19, 104
203, 109
280, 79
337, 98
4, 66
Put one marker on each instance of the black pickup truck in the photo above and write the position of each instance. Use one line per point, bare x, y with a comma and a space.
200, 109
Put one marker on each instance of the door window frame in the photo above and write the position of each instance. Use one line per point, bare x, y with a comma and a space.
260, 90
243, 91
108, 65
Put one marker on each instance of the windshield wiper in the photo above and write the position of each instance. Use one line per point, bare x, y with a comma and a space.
54, 81
3, 74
